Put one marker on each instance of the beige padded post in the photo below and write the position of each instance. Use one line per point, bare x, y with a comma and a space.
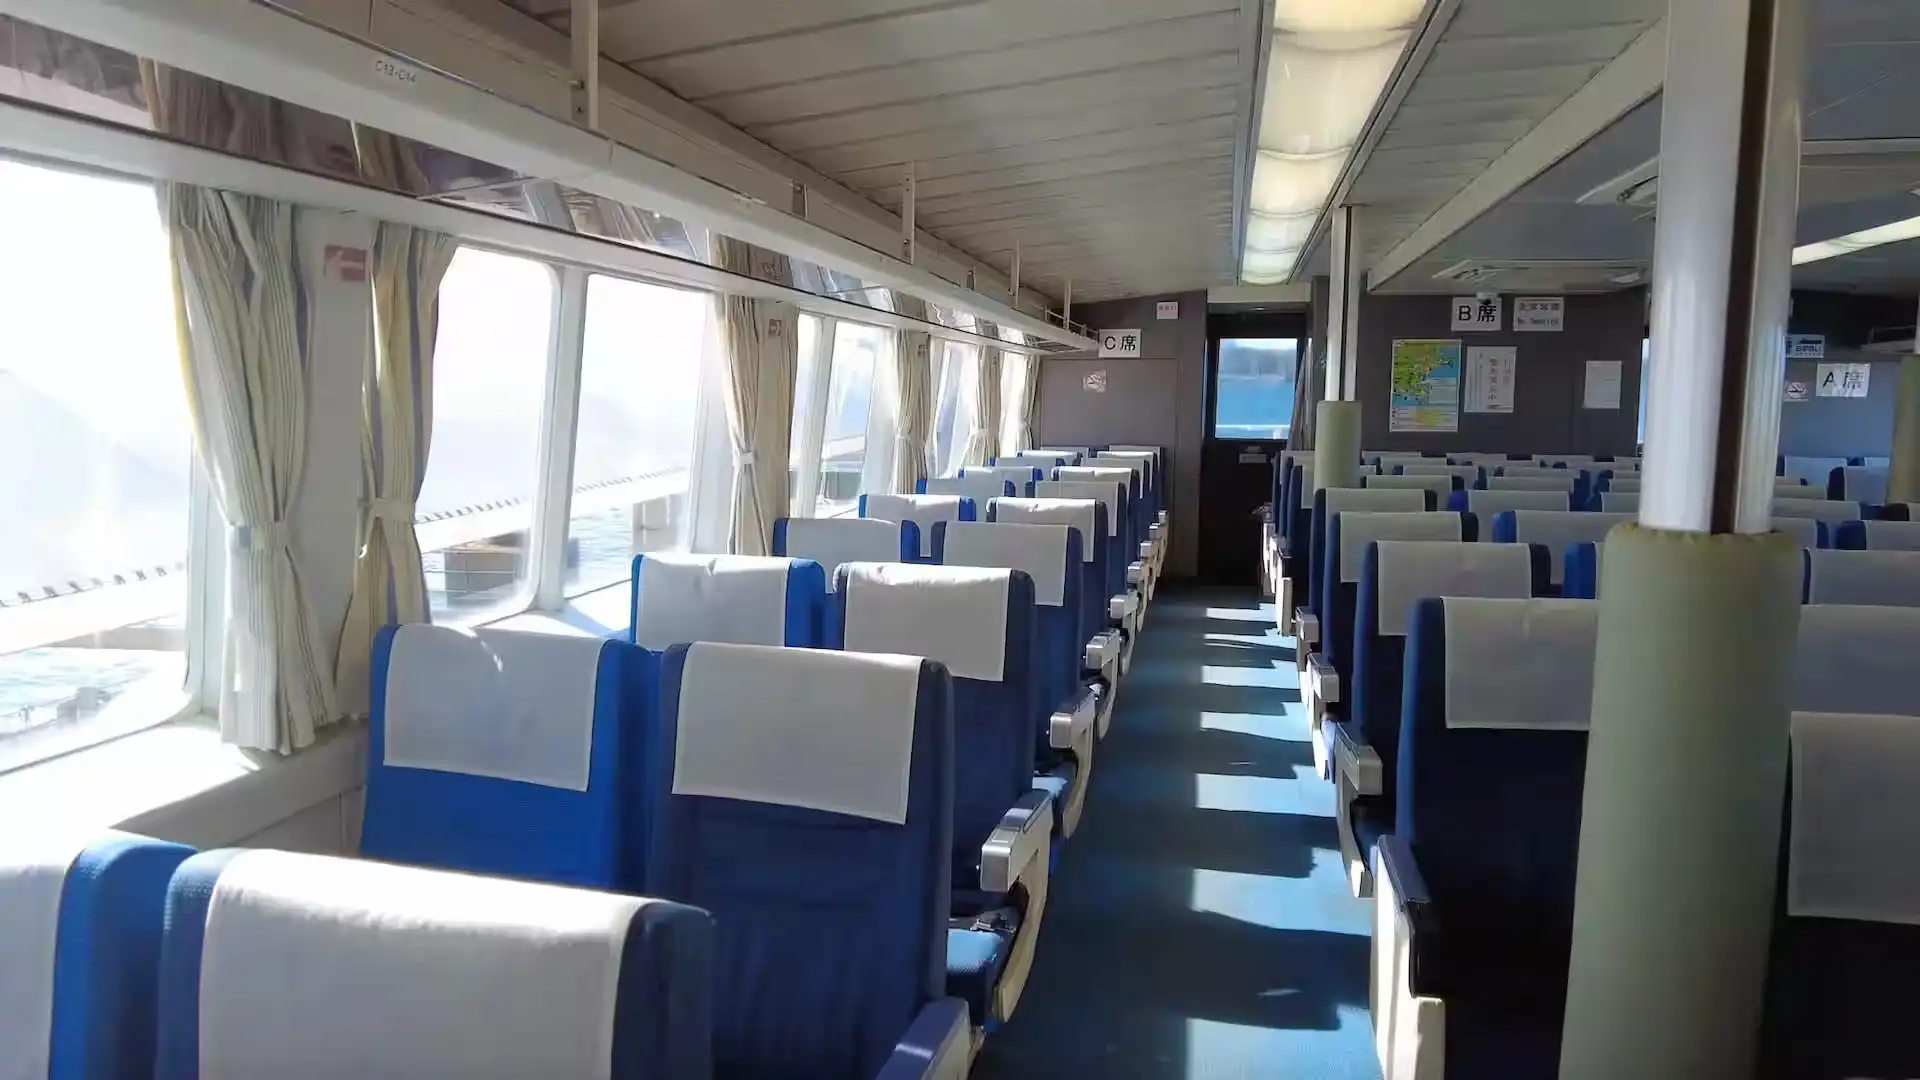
1903, 473
1336, 451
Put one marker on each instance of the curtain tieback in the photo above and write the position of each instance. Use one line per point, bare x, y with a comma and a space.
744, 457
269, 537
394, 510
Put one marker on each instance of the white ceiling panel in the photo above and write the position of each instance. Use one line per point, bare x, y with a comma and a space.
1098, 135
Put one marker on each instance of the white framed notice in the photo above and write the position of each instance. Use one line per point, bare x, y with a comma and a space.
1166, 309
1476, 313
1603, 385
1806, 346
1540, 313
1490, 372
1842, 380
1119, 343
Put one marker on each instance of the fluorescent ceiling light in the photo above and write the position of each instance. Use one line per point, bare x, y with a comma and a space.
1293, 184
1278, 232
1267, 267
1316, 16
1891, 233
1317, 97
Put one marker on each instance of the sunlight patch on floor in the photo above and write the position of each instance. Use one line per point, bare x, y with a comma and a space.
1252, 615
1217, 1050
1279, 728
1303, 795
1318, 902
1281, 676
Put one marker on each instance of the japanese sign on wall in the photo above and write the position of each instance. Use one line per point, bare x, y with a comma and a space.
1096, 381
1603, 385
1806, 346
1798, 390
1540, 313
1490, 372
1121, 343
1426, 386
1166, 309
1841, 380
1476, 313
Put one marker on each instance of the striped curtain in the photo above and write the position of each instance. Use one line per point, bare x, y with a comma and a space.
1305, 395
983, 440
396, 421
761, 340
1030, 407
241, 304
913, 381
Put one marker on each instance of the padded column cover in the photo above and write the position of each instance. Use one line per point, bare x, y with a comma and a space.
1903, 474
1680, 826
1336, 449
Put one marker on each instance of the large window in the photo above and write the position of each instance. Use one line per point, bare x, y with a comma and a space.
843, 452
1015, 370
953, 407
639, 398
489, 383
1253, 393
96, 465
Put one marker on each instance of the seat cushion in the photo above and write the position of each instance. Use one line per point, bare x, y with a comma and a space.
974, 960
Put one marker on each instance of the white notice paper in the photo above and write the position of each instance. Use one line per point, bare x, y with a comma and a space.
1603, 385
1121, 343
1537, 313
1842, 380
1490, 372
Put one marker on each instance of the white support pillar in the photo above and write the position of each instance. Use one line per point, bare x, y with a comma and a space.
908, 231
1013, 277
584, 29
1066, 304
1903, 472
1679, 839
1343, 314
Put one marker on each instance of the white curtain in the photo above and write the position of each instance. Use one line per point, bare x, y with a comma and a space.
245, 334
984, 440
1030, 406
760, 339
396, 425
913, 382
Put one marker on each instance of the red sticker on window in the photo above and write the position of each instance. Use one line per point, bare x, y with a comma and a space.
345, 263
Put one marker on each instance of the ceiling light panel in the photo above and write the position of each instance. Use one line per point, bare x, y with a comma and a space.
1322, 16
1891, 233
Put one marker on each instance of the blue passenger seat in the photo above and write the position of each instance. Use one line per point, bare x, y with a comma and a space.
1879, 578
278, 964
1897, 534
982, 489
741, 599
505, 752
924, 511
1021, 474
1101, 648
80, 928
806, 801
1857, 659
832, 542
1326, 503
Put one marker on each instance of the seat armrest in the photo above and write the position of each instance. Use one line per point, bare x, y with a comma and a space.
1393, 861
1356, 759
1412, 917
1146, 550
1161, 517
1072, 718
1306, 626
937, 1046
1120, 608
1022, 836
1325, 680
1100, 652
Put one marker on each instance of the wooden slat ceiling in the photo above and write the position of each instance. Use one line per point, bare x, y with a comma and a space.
1097, 134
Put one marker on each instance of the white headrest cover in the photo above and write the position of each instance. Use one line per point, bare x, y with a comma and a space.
820, 730
1019, 475
1804, 529
1046, 457
1040, 550
1073, 513
1112, 474
834, 542
1413, 569
736, 598
922, 510
33, 875
1562, 482
317, 966
1893, 535
1854, 845
981, 488
1865, 483
1624, 484
1857, 659
1358, 528
1439, 468
1339, 499
1491, 460
505, 704
1519, 471
1571, 461
1817, 509
1620, 502
954, 614
1885, 578
1140, 465
1520, 663
1488, 503
1388, 482
1375, 456
1794, 489
1558, 529
1106, 492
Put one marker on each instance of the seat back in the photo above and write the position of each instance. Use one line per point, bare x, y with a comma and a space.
1129, 478
806, 801
1828, 510
1809, 469
1050, 556
743, 599
1492, 759
1488, 462
1554, 530
1020, 473
978, 623
1524, 471
1146, 481
1858, 483
1113, 495
1878, 535
1330, 501
1468, 475
80, 953
1045, 459
1390, 458
1088, 517
1809, 532
1441, 484
1485, 504
1857, 659
1350, 533
924, 511
284, 964
1882, 578
1564, 461
504, 752
982, 489
834, 542
1546, 480
1846, 939
1622, 502
1395, 574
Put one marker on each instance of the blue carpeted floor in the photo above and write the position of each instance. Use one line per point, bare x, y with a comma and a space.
1199, 925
